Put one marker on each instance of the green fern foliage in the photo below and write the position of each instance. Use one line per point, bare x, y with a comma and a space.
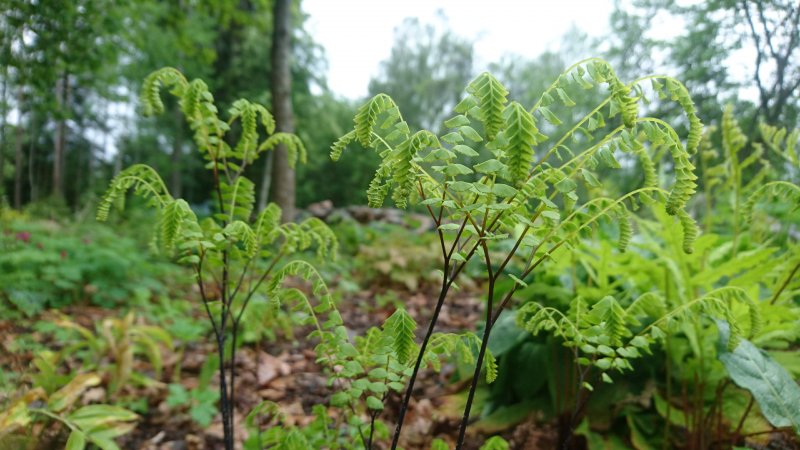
495, 443
400, 328
522, 136
490, 97
145, 182
244, 258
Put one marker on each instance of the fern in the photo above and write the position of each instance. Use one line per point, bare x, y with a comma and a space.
488, 193
522, 136
367, 117
689, 227
399, 327
294, 147
490, 97
779, 189
150, 95
338, 147
495, 443
143, 180
625, 228
242, 260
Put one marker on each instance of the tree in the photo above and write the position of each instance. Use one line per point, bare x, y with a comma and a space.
715, 32
282, 186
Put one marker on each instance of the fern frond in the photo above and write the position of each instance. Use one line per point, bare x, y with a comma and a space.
325, 238
267, 120
399, 328
246, 112
151, 88
719, 304
522, 136
491, 99
367, 117
238, 199
338, 147
495, 443
173, 217
681, 95
690, 230
536, 318
403, 169
651, 304
648, 166
145, 182
378, 189
781, 189
609, 315
685, 184
294, 146
191, 101
238, 231
629, 106
733, 139
625, 228
267, 221
490, 366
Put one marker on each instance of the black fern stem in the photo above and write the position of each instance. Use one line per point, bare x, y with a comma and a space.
481, 354
407, 397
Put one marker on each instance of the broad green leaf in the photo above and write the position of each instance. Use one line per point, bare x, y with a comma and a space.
777, 394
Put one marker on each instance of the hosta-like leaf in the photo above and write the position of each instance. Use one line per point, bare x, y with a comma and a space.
777, 394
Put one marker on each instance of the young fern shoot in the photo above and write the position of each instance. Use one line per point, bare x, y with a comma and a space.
233, 257
498, 188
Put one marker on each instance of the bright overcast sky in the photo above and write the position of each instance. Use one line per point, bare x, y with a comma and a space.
358, 34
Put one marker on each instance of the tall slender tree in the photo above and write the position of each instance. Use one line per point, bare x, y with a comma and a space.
282, 188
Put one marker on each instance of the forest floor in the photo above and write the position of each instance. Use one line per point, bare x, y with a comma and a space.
285, 372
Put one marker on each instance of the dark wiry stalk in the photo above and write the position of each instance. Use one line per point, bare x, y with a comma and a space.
447, 281
484, 343
407, 397
226, 402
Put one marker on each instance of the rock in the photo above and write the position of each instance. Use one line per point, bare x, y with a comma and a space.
320, 210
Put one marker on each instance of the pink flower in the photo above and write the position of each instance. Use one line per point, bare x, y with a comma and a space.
24, 236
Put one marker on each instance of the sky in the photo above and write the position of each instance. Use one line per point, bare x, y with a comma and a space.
358, 34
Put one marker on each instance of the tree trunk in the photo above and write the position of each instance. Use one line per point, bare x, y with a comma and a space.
282, 189
3, 136
18, 155
61, 131
32, 186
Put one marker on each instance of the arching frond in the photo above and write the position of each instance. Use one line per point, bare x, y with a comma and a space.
145, 182
491, 101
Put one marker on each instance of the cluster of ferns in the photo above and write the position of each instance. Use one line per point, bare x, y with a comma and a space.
503, 195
